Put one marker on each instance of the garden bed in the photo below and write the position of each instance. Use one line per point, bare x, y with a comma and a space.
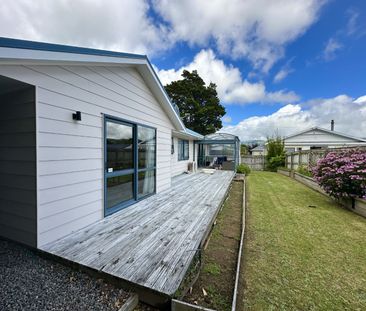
359, 206
284, 171
215, 284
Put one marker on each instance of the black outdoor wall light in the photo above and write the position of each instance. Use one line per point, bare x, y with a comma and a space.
76, 116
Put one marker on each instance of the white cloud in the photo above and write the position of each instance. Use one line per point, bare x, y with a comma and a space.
257, 30
331, 48
349, 116
117, 24
254, 29
226, 119
231, 87
283, 72
352, 21
361, 100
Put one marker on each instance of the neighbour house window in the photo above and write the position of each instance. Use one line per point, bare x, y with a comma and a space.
172, 147
290, 149
183, 150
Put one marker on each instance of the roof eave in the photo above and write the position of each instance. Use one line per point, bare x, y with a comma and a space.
14, 51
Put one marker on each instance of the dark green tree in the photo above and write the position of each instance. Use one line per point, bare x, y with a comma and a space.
199, 105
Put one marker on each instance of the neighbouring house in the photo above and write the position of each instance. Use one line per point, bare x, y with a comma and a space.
320, 138
84, 133
317, 138
259, 151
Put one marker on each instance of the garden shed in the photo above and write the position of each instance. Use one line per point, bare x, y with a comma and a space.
219, 150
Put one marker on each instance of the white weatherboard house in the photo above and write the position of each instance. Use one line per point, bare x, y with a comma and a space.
320, 138
259, 150
83, 134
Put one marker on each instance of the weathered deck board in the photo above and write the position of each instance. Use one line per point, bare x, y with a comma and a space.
153, 242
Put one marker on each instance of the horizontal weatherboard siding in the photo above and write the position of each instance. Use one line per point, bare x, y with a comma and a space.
18, 196
70, 153
180, 166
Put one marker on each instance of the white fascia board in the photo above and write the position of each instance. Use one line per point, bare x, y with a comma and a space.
14, 56
157, 88
185, 135
17, 56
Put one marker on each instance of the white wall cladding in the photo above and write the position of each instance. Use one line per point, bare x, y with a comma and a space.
318, 136
70, 154
178, 167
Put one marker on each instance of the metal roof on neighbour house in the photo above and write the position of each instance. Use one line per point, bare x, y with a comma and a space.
49, 52
259, 148
327, 131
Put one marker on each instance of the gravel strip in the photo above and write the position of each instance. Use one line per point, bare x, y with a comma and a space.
30, 282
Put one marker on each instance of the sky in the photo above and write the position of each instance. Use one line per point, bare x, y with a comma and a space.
280, 66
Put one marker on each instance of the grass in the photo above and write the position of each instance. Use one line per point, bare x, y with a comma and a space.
212, 268
299, 257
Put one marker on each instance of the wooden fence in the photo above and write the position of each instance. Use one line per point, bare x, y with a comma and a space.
309, 158
256, 163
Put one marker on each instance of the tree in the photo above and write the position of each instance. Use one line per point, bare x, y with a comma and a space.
342, 174
275, 153
252, 146
199, 105
243, 149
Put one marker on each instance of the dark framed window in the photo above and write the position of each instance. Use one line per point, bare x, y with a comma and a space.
172, 146
130, 163
183, 150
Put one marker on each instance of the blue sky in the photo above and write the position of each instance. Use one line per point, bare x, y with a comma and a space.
280, 66
311, 75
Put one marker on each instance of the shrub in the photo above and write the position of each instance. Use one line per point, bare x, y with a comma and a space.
342, 174
275, 153
275, 162
243, 169
303, 170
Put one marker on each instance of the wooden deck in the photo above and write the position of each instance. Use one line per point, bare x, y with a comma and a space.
153, 242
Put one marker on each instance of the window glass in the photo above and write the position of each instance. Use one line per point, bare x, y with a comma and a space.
119, 146
222, 150
119, 190
146, 182
146, 147
183, 149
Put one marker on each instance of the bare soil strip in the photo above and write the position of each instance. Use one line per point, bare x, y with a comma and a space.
215, 284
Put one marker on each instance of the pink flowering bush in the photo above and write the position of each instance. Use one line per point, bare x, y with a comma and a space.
342, 174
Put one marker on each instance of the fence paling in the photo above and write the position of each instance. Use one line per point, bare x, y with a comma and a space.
309, 158
256, 163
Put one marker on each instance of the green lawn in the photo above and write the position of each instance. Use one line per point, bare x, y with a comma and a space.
299, 257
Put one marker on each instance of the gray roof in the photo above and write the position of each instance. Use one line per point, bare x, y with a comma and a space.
259, 148
327, 131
